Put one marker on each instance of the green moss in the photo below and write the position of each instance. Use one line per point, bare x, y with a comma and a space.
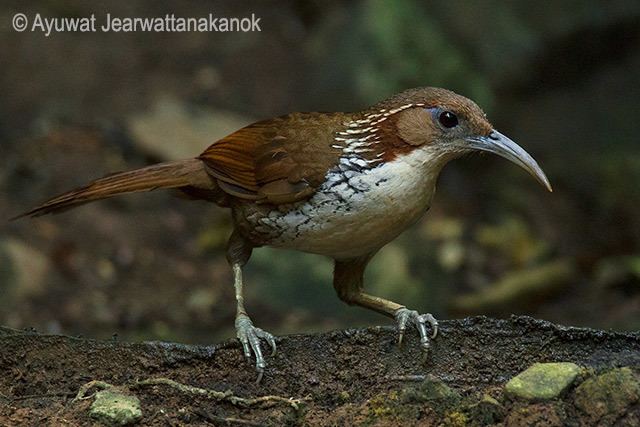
344, 396
391, 408
537, 414
608, 394
429, 390
114, 408
487, 411
383, 405
543, 381
455, 419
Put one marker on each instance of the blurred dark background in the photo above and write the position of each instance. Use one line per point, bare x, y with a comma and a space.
560, 78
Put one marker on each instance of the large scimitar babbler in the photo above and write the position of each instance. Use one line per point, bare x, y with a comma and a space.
336, 184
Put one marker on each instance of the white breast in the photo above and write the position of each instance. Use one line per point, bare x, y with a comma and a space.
358, 209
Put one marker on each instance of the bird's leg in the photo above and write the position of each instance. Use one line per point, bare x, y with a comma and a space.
348, 281
238, 253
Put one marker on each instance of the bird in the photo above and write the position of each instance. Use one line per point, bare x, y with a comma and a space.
342, 185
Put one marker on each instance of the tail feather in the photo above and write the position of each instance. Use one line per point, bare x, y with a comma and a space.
176, 174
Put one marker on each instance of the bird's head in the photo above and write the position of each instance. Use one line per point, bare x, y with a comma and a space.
448, 124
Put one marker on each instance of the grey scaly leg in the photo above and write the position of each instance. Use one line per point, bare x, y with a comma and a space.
238, 253
248, 334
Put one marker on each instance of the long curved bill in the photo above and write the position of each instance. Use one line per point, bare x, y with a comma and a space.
501, 145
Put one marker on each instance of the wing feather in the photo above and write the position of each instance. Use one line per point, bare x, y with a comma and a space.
276, 161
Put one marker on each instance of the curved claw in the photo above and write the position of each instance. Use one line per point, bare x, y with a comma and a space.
249, 337
420, 321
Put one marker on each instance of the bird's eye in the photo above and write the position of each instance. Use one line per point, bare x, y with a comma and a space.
448, 119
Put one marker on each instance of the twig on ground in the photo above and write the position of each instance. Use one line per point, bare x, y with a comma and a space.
82, 393
227, 396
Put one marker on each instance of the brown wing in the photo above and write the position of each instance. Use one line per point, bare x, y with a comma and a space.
276, 161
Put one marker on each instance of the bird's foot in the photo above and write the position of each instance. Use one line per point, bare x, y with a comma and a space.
249, 337
405, 316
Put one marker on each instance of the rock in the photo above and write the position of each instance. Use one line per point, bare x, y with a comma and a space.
543, 381
429, 389
172, 130
539, 414
115, 408
608, 395
487, 411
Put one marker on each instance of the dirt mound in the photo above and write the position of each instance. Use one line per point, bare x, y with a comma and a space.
337, 378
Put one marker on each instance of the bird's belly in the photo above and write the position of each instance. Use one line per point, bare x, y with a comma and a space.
340, 232
350, 215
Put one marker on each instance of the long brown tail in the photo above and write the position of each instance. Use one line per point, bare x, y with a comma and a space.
180, 173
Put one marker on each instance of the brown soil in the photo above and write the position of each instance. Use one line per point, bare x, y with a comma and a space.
344, 377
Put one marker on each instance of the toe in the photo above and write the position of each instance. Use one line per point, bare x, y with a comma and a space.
432, 322
420, 321
402, 316
401, 331
421, 325
255, 346
250, 337
269, 338
434, 325
245, 348
254, 341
